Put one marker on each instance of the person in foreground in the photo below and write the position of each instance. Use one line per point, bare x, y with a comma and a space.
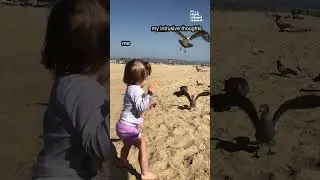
136, 102
76, 122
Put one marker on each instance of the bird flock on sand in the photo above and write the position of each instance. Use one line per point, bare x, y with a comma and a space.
264, 122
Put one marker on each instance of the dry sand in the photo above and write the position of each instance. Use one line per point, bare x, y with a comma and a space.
178, 140
297, 138
25, 86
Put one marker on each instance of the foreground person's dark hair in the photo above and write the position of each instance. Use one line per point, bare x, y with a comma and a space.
77, 37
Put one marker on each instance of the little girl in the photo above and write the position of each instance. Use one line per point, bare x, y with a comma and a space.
76, 122
135, 103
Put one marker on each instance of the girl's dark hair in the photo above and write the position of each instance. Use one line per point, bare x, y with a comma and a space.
148, 67
77, 37
135, 72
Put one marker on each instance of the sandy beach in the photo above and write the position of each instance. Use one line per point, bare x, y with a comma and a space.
297, 132
178, 140
25, 87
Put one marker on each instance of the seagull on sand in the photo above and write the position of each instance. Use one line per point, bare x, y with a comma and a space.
192, 99
282, 25
266, 129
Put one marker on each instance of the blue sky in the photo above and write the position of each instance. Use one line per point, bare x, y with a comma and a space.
132, 20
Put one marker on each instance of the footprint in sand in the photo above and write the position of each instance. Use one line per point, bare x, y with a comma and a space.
181, 142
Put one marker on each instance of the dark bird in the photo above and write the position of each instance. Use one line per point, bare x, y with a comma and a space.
192, 99
263, 125
201, 69
285, 71
266, 128
282, 25
265, 131
198, 83
316, 79
299, 68
185, 42
237, 85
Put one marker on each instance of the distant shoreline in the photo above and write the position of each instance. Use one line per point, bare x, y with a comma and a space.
161, 61
207, 65
312, 12
282, 6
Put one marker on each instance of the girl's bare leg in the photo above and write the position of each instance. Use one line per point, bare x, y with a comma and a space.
143, 159
124, 154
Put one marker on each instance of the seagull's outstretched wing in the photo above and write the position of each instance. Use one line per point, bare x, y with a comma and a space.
300, 102
205, 93
183, 92
180, 34
204, 34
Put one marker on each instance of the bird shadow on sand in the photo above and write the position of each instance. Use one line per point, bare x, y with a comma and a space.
224, 101
299, 30
309, 90
241, 144
42, 104
279, 75
184, 107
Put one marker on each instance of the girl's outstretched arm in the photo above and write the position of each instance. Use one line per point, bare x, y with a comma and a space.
142, 100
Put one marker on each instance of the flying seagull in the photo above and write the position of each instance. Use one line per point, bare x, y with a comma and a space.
185, 42
192, 99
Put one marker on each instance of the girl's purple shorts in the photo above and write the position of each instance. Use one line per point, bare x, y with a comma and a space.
127, 133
